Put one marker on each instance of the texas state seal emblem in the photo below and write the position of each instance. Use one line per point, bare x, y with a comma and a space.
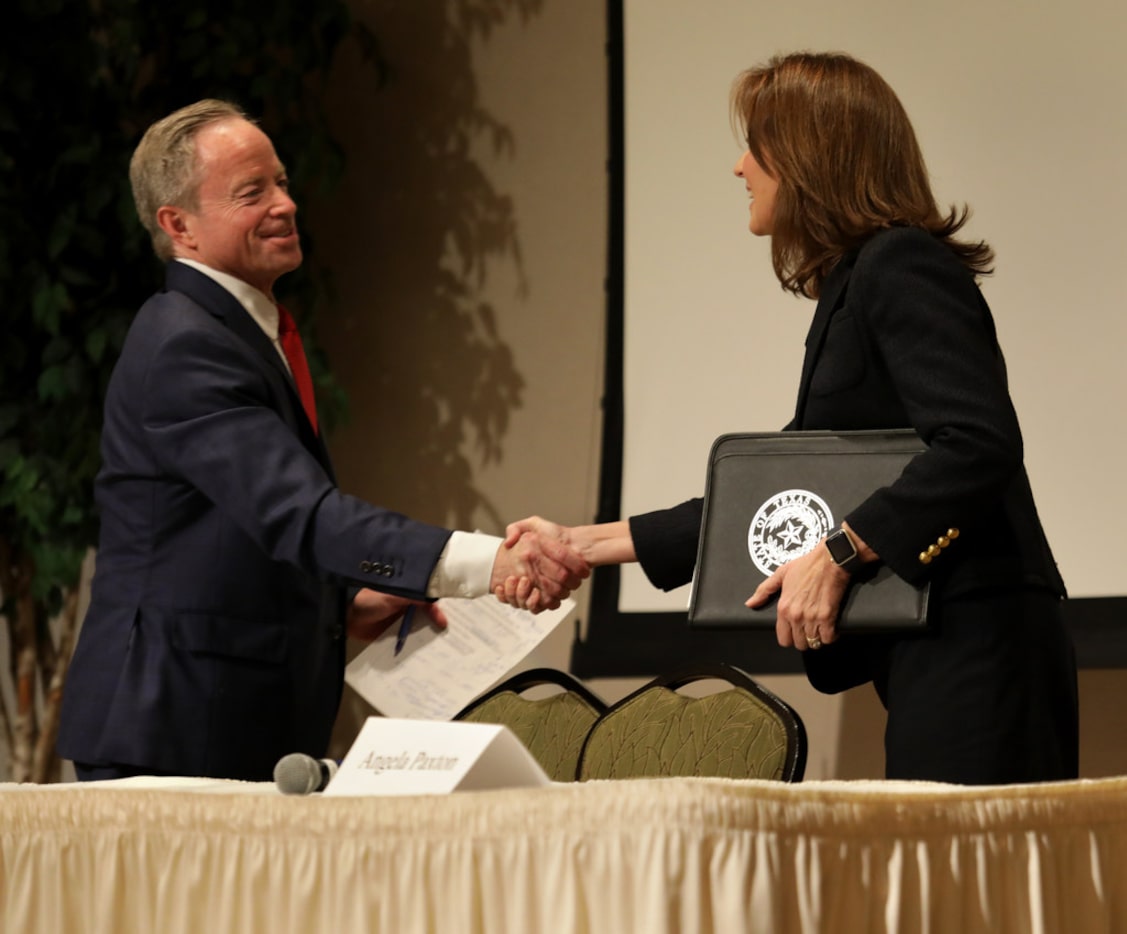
787, 525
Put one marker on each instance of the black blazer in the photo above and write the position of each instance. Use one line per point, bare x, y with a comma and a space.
214, 641
902, 338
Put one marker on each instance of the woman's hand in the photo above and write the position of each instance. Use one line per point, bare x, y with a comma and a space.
810, 591
605, 543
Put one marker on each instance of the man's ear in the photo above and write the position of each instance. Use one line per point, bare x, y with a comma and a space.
174, 223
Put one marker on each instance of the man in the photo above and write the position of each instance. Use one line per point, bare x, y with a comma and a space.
229, 563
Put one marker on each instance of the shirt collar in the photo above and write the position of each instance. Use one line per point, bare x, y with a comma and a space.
258, 305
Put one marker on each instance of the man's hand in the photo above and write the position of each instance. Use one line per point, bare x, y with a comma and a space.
810, 591
372, 612
536, 566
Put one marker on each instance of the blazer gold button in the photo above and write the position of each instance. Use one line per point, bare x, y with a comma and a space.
952, 534
933, 550
943, 541
925, 558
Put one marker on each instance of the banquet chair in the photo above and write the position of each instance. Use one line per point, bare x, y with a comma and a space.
552, 727
742, 731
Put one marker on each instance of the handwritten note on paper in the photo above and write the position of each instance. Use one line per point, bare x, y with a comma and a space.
440, 671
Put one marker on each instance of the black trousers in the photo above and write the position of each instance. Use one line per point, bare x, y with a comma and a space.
986, 696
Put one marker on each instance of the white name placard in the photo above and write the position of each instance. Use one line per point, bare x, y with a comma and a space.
426, 757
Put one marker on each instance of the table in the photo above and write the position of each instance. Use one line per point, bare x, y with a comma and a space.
661, 855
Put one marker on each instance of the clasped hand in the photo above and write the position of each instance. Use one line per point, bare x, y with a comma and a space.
541, 569
537, 566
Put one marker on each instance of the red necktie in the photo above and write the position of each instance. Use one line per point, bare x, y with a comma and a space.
290, 340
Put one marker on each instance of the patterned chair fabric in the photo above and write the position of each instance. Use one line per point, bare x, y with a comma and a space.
744, 731
552, 727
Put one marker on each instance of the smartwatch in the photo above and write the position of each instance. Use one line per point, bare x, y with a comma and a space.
842, 551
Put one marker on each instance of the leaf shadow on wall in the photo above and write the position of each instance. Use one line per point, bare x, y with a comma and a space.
418, 238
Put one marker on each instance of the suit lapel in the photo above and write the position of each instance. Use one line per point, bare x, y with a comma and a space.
833, 292
213, 298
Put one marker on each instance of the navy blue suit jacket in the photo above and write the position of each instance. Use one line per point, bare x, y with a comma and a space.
214, 641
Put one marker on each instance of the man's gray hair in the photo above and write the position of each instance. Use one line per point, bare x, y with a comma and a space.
163, 169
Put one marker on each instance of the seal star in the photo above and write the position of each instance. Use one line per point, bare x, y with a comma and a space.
790, 536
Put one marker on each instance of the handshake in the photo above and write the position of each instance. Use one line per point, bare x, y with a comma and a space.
540, 563
536, 568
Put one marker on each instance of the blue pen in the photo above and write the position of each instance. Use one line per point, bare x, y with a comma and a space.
404, 628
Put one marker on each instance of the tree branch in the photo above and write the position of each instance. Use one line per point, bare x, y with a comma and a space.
45, 766
7, 587
24, 650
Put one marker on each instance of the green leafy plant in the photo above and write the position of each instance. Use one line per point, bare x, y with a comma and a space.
82, 80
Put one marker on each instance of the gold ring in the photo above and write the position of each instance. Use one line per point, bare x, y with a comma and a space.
814, 643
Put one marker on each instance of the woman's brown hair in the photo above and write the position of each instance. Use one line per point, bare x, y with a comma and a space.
840, 144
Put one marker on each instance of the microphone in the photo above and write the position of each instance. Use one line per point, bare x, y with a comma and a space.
299, 774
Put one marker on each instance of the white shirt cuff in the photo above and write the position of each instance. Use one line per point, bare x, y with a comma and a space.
465, 567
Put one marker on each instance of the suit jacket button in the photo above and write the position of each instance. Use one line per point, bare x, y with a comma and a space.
366, 566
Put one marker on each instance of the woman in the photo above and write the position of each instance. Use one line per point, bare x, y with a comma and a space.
901, 337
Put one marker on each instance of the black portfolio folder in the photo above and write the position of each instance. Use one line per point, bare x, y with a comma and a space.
772, 496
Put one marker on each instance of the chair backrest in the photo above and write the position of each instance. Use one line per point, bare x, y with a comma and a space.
552, 727
743, 731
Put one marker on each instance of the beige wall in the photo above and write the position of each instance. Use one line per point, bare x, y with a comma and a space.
468, 247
